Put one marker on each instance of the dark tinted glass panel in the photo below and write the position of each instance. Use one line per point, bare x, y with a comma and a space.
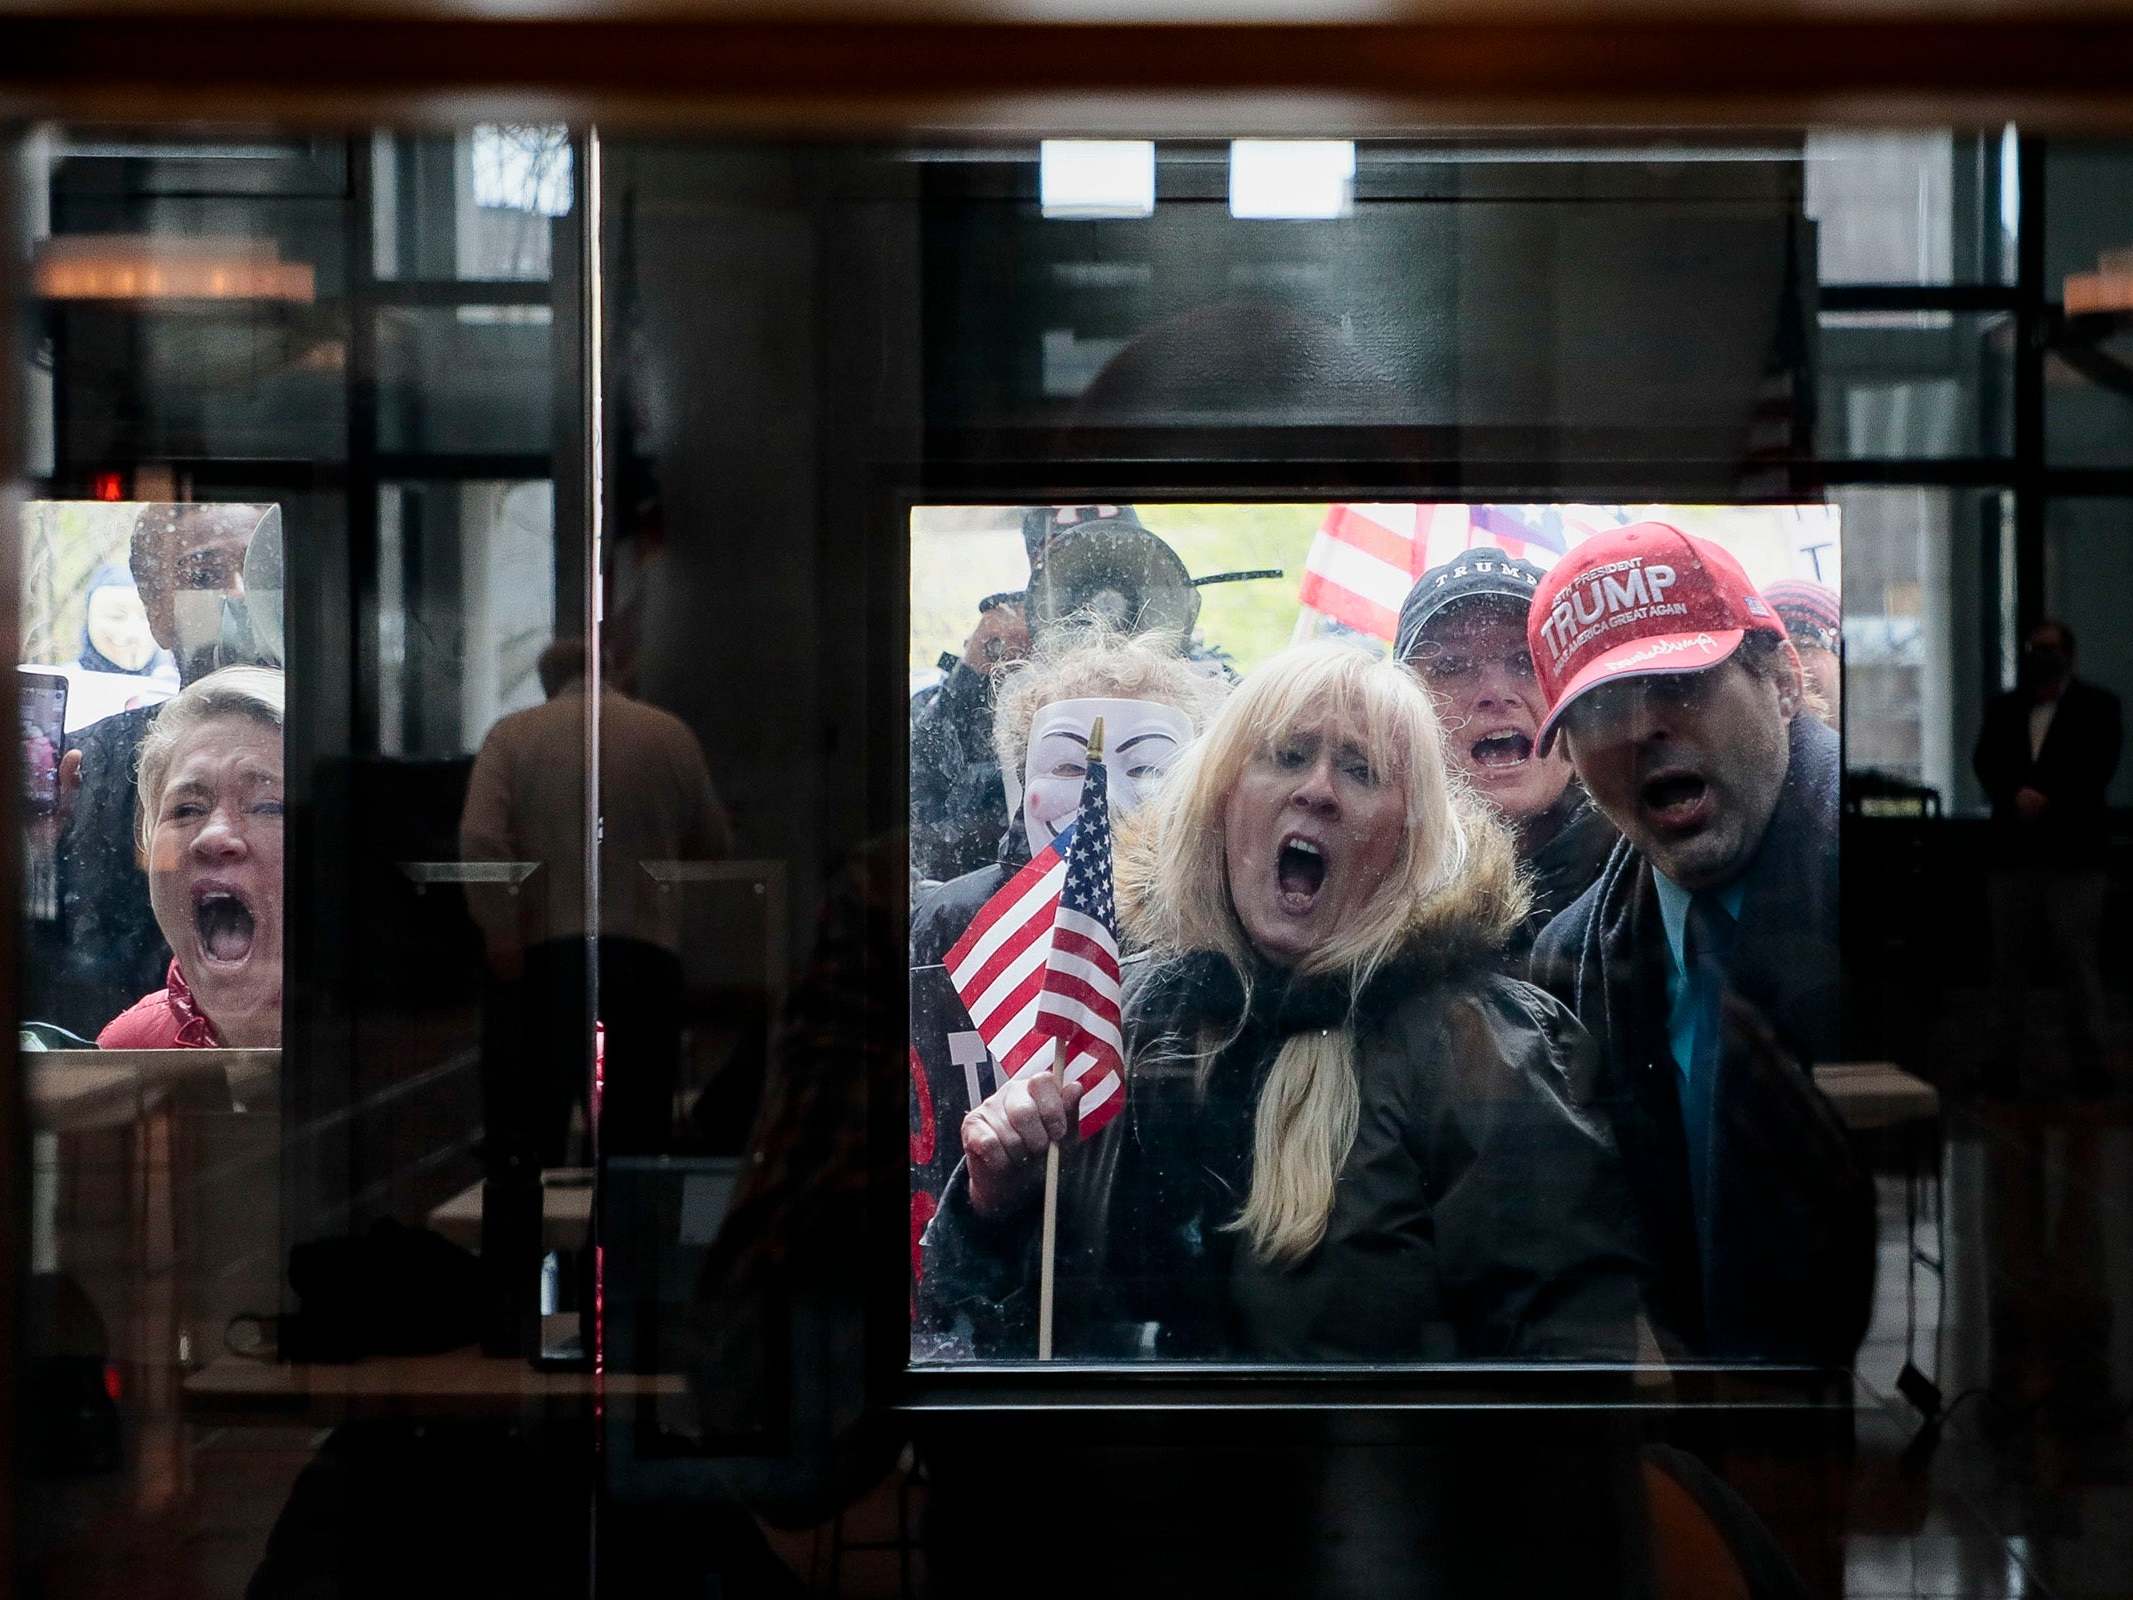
465, 380
1916, 384
2085, 565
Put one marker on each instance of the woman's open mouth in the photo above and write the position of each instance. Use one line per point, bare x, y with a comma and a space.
1501, 751
224, 922
1677, 801
1300, 868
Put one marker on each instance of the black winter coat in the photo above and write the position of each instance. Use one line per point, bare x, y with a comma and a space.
1792, 1204
114, 951
1479, 1214
1563, 868
941, 911
958, 809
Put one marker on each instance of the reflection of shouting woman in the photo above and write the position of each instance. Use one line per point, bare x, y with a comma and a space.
210, 835
1345, 1137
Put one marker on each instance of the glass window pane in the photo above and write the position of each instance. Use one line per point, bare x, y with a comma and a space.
2087, 210
2088, 225
336, 940
2088, 394
466, 603
1082, 625
2088, 572
1914, 383
1908, 207
1912, 671
466, 379
479, 204
882, 435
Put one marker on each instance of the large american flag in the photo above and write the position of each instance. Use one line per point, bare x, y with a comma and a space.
1038, 967
1366, 557
1363, 562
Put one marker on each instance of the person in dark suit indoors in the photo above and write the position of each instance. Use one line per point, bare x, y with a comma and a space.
2045, 755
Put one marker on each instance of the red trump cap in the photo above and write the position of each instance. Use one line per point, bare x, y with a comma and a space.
1637, 602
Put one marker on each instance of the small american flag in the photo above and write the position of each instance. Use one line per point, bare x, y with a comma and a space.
1038, 967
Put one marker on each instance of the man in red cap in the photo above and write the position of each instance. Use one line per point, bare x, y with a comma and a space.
1704, 959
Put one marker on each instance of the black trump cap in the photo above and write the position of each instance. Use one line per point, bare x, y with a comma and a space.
1473, 575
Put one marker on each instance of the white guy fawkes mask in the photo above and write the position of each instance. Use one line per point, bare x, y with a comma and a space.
1141, 739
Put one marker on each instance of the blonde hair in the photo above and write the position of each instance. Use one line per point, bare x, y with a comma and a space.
255, 692
1456, 875
1083, 659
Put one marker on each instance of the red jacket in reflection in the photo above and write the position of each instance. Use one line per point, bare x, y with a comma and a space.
169, 1019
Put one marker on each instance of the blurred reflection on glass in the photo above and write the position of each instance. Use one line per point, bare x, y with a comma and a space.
180, 608
526, 804
2046, 756
116, 636
211, 835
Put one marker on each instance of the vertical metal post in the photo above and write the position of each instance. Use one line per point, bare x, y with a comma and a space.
2033, 327
591, 290
16, 175
364, 492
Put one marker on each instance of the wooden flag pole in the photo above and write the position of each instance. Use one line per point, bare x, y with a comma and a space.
1049, 1250
1051, 1245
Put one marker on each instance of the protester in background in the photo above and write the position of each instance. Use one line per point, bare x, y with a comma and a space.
1814, 618
1154, 703
187, 563
210, 835
1705, 960
1133, 583
2046, 755
115, 636
1463, 630
1345, 1135
526, 803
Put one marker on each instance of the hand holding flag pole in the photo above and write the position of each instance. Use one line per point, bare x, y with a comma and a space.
1037, 970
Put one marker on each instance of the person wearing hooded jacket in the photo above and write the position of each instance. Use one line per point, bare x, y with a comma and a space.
1346, 1135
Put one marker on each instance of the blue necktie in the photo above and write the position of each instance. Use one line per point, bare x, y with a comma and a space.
1706, 945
